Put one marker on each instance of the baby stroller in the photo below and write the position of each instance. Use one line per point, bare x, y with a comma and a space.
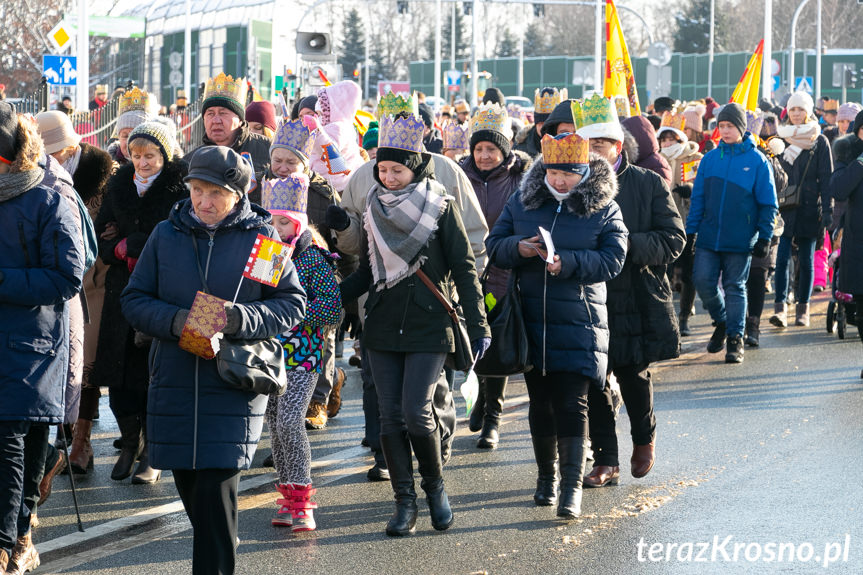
841, 309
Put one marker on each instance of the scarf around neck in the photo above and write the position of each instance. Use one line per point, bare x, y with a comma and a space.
399, 224
799, 138
673, 151
15, 184
144, 184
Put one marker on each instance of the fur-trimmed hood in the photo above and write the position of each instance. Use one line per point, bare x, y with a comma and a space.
94, 170
521, 136
630, 145
847, 148
588, 197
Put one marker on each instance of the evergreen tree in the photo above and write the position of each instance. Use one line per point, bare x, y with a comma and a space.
535, 42
693, 28
462, 47
507, 46
352, 48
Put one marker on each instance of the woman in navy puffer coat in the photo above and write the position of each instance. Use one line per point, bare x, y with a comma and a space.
200, 428
563, 304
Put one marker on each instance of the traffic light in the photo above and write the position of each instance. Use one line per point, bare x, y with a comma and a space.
402, 6
539, 10
850, 78
467, 8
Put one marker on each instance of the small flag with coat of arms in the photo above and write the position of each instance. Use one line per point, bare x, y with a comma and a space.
267, 261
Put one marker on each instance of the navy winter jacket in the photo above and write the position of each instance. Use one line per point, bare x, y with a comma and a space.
194, 421
566, 317
733, 199
41, 268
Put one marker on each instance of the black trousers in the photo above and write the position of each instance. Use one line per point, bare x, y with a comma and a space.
36, 447
12, 434
210, 499
637, 391
558, 404
756, 289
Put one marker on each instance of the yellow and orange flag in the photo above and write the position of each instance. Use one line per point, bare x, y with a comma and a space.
746, 91
619, 76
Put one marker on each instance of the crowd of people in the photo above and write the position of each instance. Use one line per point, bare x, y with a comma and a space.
591, 216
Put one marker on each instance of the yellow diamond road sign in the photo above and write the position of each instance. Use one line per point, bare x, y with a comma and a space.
59, 36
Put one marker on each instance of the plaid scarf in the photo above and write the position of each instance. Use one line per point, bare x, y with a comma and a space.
399, 225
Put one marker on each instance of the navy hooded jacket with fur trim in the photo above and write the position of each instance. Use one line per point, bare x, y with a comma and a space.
566, 316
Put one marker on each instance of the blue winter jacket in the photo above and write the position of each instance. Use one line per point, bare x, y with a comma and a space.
194, 421
565, 315
733, 199
41, 268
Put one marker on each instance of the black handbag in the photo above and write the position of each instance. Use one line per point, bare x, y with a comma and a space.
789, 198
257, 366
462, 358
508, 353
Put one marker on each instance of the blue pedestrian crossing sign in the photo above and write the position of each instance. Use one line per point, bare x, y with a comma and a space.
60, 70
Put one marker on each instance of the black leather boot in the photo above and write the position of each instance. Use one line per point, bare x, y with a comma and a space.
477, 414
144, 474
427, 450
130, 431
753, 331
494, 395
397, 451
545, 452
571, 452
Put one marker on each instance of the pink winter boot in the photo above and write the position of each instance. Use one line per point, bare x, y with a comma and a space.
301, 507
283, 516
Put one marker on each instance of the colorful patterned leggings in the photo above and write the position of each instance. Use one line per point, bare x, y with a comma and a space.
286, 417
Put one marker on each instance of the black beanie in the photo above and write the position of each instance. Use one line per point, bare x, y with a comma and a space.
8, 133
496, 138
308, 102
493, 96
858, 122
735, 114
228, 103
426, 114
562, 114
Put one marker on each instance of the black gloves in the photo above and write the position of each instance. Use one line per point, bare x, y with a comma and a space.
179, 321
689, 248
683, 190
337, 219
235, 320
762, 247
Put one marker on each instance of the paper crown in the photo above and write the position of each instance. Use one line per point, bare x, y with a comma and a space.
673, 122
456, 136
491, 117
391, 104
101, 89
289, 194
565, 150
402, 134
227, 87
545, 103
295, 136
598, 110
754, 122
133, 100
621, 105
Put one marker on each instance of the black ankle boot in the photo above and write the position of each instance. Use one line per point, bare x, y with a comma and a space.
545, 452
130, 431
478, 413
427, 450
717, 340
144, 474
753, 331
494, 395
683, 323
571, 452
397, 451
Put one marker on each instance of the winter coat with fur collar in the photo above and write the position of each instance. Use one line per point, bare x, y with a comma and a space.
566, 316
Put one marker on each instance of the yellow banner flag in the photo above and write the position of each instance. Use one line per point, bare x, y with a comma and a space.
746, 91
619, 77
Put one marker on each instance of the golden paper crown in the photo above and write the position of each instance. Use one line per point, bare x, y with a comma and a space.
227, 88
401, 134
456, 136
676, 121
545, 103
491, 117
564, 149
133, 100
577, 114
621, 104
598, 110
391, 104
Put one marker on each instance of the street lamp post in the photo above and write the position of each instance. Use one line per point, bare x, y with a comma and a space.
83, 87
474, 68
767, 58
793, 44
818, 52
710, 49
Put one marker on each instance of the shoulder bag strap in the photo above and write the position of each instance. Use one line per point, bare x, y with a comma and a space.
436, 292
198, 263
809, 163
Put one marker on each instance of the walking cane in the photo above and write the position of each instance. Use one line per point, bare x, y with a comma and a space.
71, 476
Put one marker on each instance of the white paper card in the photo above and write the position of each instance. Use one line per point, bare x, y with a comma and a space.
549, 244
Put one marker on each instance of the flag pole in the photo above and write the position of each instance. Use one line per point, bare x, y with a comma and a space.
237, 293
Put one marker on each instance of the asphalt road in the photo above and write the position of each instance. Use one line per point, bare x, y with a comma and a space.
764, 457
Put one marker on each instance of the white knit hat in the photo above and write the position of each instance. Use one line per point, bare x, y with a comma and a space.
56, 130
130, 119
801, 100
